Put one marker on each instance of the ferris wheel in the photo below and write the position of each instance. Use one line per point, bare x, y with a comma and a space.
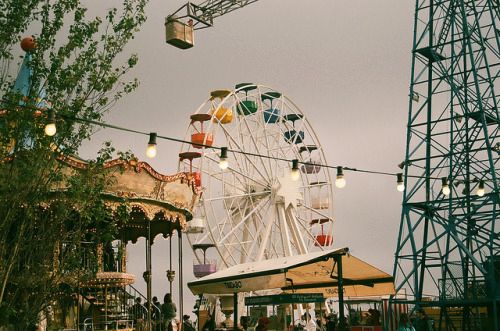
259, 207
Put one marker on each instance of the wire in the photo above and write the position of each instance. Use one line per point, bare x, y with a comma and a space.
119, 128
111, 126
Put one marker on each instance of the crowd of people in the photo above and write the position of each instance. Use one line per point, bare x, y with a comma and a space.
163, 319
419, 322
162, 315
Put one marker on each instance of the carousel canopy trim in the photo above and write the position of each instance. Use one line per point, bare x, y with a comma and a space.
157, 197
307, 273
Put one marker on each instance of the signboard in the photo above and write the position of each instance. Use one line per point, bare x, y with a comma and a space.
286, 298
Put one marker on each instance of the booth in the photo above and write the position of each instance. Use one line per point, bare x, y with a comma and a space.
332, 273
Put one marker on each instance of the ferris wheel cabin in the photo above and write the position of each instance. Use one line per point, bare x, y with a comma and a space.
200, 138
248, 105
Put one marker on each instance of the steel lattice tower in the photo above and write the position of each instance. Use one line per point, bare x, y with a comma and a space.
448, 251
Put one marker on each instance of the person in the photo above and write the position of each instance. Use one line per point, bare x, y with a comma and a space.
155, 314
319, 322
404, 323
309, 323
138, 313
422, 323
244, 322
168, 311
374, 318
187, 324
331, 322
210, 323
262, 324
109, 257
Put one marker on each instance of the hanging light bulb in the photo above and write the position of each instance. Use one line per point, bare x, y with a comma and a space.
295, 173
223, 163
50, 127
151, 149
401, 185
480, 188
340, 181
445, 188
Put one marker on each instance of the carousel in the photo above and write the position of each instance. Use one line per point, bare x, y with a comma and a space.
156, 204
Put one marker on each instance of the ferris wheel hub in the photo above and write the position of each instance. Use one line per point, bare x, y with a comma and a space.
286, 191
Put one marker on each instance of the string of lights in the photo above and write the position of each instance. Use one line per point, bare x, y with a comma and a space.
340, 181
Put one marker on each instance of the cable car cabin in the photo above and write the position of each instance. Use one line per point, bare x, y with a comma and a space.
196, 225
320, 202
221, 114
179, 34
320, 198
190, 156
247, 106
322, 240
207, 267
201, 139
204, 269
294, 137
272, 114
314, 166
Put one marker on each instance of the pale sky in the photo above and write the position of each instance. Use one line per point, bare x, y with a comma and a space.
345, 63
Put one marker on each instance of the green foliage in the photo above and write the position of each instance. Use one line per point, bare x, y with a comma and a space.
46, 208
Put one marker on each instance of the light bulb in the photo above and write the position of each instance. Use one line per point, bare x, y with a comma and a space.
340, 181
223, 164
400, 183
480, 189
295, 173
445, 188
50, 129
151, 151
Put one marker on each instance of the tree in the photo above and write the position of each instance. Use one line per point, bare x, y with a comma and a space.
73, 71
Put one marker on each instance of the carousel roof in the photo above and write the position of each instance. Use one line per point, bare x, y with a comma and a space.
157, 203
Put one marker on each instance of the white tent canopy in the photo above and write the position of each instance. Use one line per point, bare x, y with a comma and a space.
312, 273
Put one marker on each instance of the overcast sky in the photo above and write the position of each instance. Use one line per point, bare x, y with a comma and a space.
345, 63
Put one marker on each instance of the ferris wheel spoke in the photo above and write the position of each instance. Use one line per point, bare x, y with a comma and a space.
295, 231
283, 230
257, 194
255, 145
230, 219
218, 174
240, 148
307, 231
317, 212
259, 224
260, 205
266, 236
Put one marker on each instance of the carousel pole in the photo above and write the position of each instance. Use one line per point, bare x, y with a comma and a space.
170, 272
181, 294
148, 274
